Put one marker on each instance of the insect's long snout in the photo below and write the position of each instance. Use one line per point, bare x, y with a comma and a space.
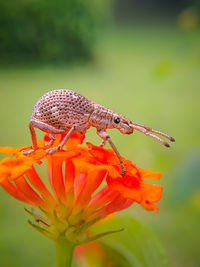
152, 133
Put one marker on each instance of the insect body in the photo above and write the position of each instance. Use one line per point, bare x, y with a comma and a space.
64, 111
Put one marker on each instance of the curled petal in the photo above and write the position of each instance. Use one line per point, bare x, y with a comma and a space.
151, 193
148, 174
14, 168
133, 187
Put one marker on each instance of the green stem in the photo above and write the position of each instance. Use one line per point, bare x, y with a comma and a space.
64, 253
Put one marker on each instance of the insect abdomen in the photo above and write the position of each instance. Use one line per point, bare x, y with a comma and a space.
62, 108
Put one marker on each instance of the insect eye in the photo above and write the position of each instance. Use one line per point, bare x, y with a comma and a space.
116, 120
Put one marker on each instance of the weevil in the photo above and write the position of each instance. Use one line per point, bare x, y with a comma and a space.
64, 111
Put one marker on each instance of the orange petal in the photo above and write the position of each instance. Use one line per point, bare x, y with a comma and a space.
103, 155
14, 168
69, 174
148, 174
55, 164
29, 193
12, 150
102, 198
117, 204
149, 206
75, 139
125, 191
35, 180
12, 189
86, 186
151, 192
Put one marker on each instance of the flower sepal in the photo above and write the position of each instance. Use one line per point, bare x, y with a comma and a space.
54, 228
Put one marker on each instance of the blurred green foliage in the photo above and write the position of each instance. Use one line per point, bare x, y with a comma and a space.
186, 179
135, 246
40, 30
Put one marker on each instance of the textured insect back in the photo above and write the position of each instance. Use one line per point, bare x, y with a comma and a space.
62, 109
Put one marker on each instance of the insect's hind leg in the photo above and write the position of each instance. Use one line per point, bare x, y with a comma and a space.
33, 137
34, 140
44, 127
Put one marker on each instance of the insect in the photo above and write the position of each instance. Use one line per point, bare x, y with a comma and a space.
64, 111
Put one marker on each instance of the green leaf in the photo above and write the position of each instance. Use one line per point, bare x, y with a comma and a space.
136, 246
98, 236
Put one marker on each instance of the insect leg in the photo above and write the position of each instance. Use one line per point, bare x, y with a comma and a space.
33, 136
53, 138
34, 140
42, 126
67, 136
102, 144
106, 137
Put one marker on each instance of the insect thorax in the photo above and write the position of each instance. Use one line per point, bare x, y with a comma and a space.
101, 117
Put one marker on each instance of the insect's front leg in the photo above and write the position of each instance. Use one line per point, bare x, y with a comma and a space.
105, 138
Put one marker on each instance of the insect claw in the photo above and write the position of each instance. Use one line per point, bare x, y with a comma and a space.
51, 150
172, 139
27, 152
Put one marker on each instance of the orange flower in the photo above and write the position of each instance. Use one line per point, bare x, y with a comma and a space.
74, 201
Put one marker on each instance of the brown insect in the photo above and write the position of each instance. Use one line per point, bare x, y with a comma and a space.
64, 111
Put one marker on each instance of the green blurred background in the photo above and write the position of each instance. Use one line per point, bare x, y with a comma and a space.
139, 58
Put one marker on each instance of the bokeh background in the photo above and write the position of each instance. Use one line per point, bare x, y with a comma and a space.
139, 58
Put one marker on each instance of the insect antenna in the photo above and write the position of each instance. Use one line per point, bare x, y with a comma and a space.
149, 132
